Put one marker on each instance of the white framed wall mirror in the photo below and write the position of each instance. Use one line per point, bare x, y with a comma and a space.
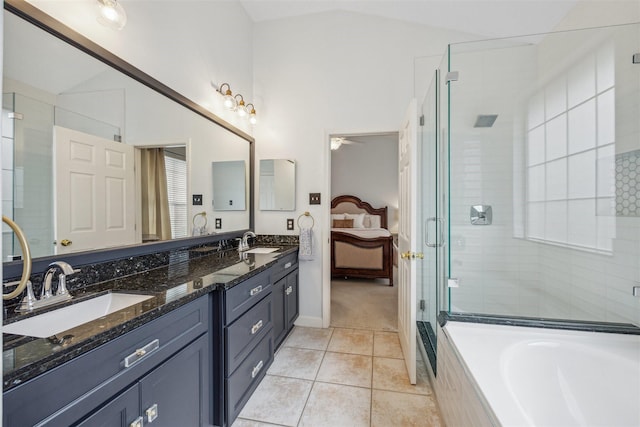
277, 185
84, 102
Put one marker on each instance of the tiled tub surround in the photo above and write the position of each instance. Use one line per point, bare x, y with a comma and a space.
188, 277
510, 375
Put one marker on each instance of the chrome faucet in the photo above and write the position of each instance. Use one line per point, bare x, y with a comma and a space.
244, 243
29, 302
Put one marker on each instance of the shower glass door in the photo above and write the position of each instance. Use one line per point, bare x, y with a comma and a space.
429, 224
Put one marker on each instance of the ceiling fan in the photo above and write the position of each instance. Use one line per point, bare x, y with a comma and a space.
337, 141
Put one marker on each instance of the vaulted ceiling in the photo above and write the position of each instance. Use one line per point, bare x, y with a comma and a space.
488, 18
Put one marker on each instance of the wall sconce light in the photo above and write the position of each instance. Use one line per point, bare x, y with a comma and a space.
252, 114
241, 109
112, 14
236, 103
336, 143
228, 100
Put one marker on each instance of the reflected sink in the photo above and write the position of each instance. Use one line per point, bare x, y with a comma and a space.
53, 322
261, 250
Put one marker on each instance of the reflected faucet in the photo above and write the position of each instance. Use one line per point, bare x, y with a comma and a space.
244, 243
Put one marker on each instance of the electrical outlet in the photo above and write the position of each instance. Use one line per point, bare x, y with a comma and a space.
289, 223
314, 198
218, 223
197, 199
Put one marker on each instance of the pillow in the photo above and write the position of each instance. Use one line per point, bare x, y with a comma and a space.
374, 221
358, 219
342, 223
337, 216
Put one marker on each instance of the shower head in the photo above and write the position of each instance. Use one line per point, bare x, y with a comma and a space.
485, 120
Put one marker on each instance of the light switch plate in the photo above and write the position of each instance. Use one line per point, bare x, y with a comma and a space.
314, 198
197, 199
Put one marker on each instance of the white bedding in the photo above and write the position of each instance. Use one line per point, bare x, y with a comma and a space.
366, 233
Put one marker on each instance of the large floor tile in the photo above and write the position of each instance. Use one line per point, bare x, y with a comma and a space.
347, 369
309, 338
354, 341
387, 344
240, 422
297, 363
390, 408
278, 400
391, 374
337, 405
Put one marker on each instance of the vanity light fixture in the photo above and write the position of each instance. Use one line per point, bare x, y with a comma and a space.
252, 114
112, 14
228, 100
241, 109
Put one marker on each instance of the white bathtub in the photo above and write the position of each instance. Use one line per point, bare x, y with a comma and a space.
550, 377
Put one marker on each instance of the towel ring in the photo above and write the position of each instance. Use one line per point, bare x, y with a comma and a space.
308, 215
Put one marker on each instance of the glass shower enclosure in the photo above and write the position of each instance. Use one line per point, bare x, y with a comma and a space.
530, 180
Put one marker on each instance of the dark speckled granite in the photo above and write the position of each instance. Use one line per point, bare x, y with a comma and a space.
188, 277
534, 322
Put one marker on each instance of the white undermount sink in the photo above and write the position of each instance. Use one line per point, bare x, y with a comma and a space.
261, 250
53, 322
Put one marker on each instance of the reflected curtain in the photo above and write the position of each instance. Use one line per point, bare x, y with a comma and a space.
156, 223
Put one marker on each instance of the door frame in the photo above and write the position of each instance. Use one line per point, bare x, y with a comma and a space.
326, 221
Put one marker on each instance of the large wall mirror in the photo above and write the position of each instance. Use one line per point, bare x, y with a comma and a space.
73, 129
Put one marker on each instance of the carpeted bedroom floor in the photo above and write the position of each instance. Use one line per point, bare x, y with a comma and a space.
366, 304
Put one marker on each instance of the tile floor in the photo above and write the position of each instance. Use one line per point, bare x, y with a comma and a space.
340, 377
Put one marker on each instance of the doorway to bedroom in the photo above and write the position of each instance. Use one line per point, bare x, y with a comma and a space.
364, 181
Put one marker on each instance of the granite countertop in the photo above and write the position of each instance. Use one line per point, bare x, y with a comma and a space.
171, 287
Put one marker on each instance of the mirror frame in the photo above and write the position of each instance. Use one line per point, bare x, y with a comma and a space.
40, 19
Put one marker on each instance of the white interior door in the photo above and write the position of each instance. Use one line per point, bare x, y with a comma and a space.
407, 198
95, 192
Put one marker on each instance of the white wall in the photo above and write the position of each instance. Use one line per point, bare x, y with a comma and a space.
322, 74
369, 171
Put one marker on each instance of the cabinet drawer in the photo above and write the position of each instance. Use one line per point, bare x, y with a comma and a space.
284, 266
246, 378
244, 295
102, 371
246, 332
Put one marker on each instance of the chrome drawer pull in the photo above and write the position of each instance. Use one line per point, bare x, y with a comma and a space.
287, 265
256, 369
138, 422
152, 413
255, 328
289, 290
141, 352
256, 290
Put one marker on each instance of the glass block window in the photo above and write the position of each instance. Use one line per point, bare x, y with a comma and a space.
570, 157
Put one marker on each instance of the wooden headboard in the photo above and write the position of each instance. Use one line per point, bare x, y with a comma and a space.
353, 205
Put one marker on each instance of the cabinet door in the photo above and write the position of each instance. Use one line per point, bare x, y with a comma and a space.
120, 412
279, 315
176, 393
291, 298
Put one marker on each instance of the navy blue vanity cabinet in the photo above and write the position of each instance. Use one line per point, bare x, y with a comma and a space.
244, 343
160, 369
285, 296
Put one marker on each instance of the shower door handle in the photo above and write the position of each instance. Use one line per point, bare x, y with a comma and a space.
440, 242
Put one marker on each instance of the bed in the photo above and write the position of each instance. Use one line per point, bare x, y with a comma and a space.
361, 244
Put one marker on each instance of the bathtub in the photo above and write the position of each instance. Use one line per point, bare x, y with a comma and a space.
548, 377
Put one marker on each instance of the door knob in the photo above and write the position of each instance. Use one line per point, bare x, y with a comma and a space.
66, 242
419, 255
405, 255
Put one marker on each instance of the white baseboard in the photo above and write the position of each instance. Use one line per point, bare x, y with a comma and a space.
309, 322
